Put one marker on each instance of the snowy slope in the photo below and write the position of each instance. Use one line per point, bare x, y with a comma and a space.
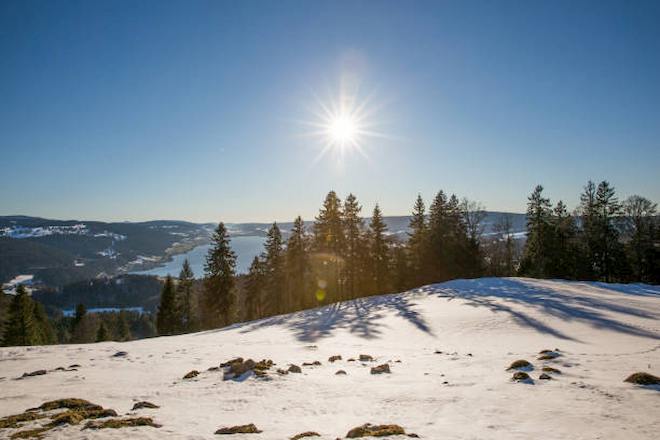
604, 333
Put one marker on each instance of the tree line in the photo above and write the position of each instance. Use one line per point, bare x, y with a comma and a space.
344, 256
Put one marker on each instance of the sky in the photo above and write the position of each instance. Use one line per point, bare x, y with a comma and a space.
209, 110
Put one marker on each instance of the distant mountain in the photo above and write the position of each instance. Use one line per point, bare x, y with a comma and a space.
59, 252
62, 251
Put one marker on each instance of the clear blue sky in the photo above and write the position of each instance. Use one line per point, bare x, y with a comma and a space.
132, 110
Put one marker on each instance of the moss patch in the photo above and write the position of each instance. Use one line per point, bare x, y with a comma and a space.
643, 379
122, 423
334, 358
240, 429
75, 416
16, 420
521, 376
69, 403
305, 434
30, 433
550, 370
144, 404
369, 430
520, 364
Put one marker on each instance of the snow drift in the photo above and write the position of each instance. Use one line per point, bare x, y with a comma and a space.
448, 347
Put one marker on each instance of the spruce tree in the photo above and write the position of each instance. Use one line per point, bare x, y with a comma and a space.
378, 253
167, 314
563, 258
254, 290
21, 328
329, 244
184, 290
611, 262
438, 239
219, 273
298, 267
539, 235
123, 329
103, 334
273, 300
45, 329
353, 246
417, 243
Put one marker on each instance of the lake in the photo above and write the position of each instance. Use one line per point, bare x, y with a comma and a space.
245, 247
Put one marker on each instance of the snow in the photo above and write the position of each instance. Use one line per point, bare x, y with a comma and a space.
25, 280
604, 333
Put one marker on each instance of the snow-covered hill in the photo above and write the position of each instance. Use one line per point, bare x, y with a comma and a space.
448, 347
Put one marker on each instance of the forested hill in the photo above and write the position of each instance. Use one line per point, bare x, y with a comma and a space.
59, 252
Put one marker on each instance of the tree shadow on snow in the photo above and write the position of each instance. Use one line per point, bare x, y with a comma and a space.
592, 303
570, 302
360, 317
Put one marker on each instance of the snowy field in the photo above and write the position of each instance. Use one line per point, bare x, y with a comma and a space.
448, 347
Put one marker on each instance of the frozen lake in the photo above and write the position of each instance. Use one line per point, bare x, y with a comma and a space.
245, 247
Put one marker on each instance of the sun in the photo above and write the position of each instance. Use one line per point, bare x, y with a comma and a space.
343, 130
343, 125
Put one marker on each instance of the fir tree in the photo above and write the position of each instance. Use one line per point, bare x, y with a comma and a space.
417, 243
438, 257
353, 245
298, 266
273, 301
254, 288
103, 334
184, 290
167, 322
401, 269
123, 329
45, 329
21, 328
378, 252
329, 245
563, 254
219, 280
539, 237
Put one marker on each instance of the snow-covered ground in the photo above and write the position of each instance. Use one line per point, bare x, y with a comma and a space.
603, 334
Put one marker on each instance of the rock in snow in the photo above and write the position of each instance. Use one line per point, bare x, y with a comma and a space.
605, 331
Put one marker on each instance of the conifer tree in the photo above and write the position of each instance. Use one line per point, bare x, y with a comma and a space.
611, 262
353, 245
184, 290
378, 252
329, 244
438, 257
539, 238
400, 268
103, 334
563, 254
44, 327
123, 329
219, 280
417, 243
273, 257
254, 290
298, 267
81, 311
167, 314
21, 328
